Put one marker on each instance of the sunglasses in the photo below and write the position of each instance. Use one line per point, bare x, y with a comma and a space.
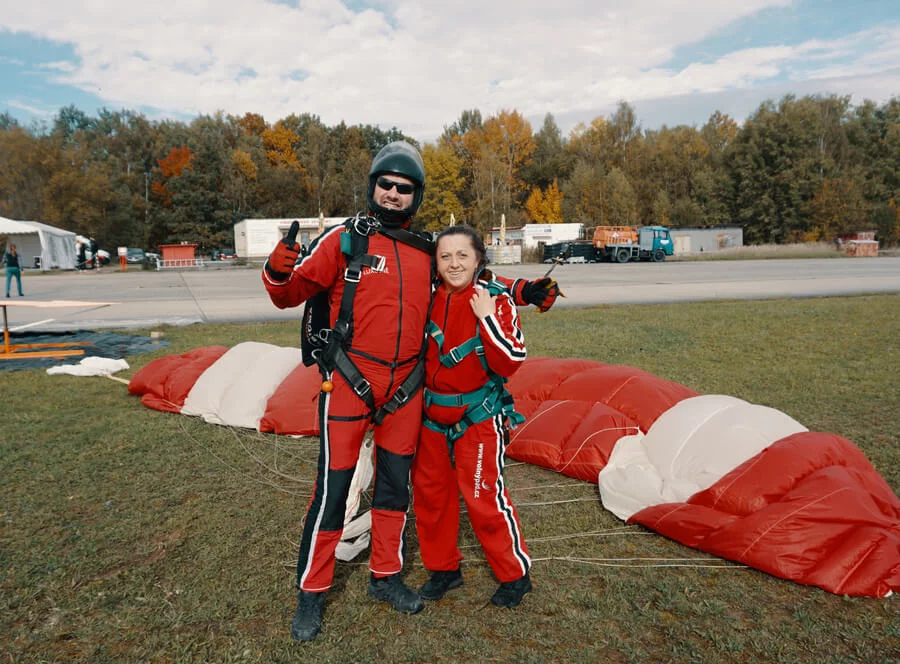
402, 187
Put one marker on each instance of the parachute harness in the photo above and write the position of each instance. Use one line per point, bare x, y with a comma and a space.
487, 401
330, 346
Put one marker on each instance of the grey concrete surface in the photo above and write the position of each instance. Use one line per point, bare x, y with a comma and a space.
146, 299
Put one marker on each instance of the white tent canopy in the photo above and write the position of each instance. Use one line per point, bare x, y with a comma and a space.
53, 246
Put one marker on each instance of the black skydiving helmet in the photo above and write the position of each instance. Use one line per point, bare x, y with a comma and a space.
397, 158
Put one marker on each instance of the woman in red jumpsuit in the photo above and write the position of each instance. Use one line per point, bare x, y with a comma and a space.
461, 446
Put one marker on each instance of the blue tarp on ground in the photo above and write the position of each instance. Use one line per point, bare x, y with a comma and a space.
103, 344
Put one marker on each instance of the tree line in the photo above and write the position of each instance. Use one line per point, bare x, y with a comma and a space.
800, 169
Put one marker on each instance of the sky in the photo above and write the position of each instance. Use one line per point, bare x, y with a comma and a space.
418, 65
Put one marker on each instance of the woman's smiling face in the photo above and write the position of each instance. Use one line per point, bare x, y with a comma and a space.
456, 261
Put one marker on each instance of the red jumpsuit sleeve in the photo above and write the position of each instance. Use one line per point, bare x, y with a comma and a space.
514, 286
504, 343
317, 271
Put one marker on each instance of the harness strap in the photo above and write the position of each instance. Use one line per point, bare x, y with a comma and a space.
472, 345
412, 239
489, 400
483, 404
404, 391
337, 341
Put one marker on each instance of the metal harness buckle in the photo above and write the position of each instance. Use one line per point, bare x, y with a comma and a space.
455, 356
365, 225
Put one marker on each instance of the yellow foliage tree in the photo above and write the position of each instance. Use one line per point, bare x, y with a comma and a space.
244, 164
545, 207
507, 140
279, 144
444, 187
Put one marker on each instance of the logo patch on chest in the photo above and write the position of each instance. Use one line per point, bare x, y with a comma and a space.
380, 266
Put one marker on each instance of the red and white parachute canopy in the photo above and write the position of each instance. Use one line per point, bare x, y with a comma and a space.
737, 480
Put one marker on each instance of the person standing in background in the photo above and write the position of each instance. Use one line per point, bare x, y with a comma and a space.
95, 259
11, 260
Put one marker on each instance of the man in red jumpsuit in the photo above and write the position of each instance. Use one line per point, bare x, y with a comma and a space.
389, 313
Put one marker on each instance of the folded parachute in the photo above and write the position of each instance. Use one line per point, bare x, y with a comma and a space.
734, 479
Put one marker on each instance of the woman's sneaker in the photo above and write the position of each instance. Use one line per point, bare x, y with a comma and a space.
439, 583
510, 593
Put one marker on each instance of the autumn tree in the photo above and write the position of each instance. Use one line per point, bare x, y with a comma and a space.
662, 209
252, 124
837, 208
507, 145
583, 195
550, 160
27, 162
443, 167
621, 202
279, 143
545, 207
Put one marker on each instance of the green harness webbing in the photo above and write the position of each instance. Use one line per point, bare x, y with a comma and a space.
489, 400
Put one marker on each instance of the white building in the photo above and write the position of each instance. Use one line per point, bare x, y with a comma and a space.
255, 238
698, 240
531, 236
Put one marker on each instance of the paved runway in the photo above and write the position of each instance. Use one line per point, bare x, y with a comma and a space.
231, 293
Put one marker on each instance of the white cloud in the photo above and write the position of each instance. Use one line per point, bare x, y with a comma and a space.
59, 65
29, 108
414, 65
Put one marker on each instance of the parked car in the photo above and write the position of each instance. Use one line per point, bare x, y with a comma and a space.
223, 254
134, 255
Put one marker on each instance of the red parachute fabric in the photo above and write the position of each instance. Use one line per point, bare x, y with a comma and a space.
577, 410
294, 407
165, 382
809, 508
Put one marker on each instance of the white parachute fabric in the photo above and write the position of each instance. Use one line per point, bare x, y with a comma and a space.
689, 448
90, 366
234, 391
356, 536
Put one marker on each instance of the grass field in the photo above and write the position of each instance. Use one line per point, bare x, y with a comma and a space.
130, 535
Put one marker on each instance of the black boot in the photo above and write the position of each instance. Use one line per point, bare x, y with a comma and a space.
308, 617
510, 593
439, 583
392, 590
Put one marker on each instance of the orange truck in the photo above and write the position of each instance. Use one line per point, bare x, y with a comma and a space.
624, 243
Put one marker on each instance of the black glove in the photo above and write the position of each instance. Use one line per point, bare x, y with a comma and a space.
284, 255
542, 293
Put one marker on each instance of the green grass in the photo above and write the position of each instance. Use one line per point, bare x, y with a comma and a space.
130, 535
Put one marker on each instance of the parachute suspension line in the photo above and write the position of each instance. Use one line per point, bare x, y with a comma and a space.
651, 562
579, 484
634, 429
116, 378
273, 468
232, 468
611, 532
592, 499
522, 427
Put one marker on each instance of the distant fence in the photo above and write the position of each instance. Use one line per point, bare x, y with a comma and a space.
180, 263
